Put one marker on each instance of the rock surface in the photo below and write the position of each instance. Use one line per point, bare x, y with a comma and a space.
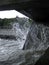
6, 2
11, 52
44, 59
37, 41
38, 37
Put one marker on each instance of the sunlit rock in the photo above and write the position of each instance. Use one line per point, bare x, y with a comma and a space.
11, 52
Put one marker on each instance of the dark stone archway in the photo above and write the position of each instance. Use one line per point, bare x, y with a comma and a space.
38, 10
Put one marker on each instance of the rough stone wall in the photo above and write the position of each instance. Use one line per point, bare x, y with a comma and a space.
6, 2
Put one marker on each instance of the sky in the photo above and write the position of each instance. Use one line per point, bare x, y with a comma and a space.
10, 14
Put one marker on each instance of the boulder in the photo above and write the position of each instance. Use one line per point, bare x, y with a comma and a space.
38, 40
